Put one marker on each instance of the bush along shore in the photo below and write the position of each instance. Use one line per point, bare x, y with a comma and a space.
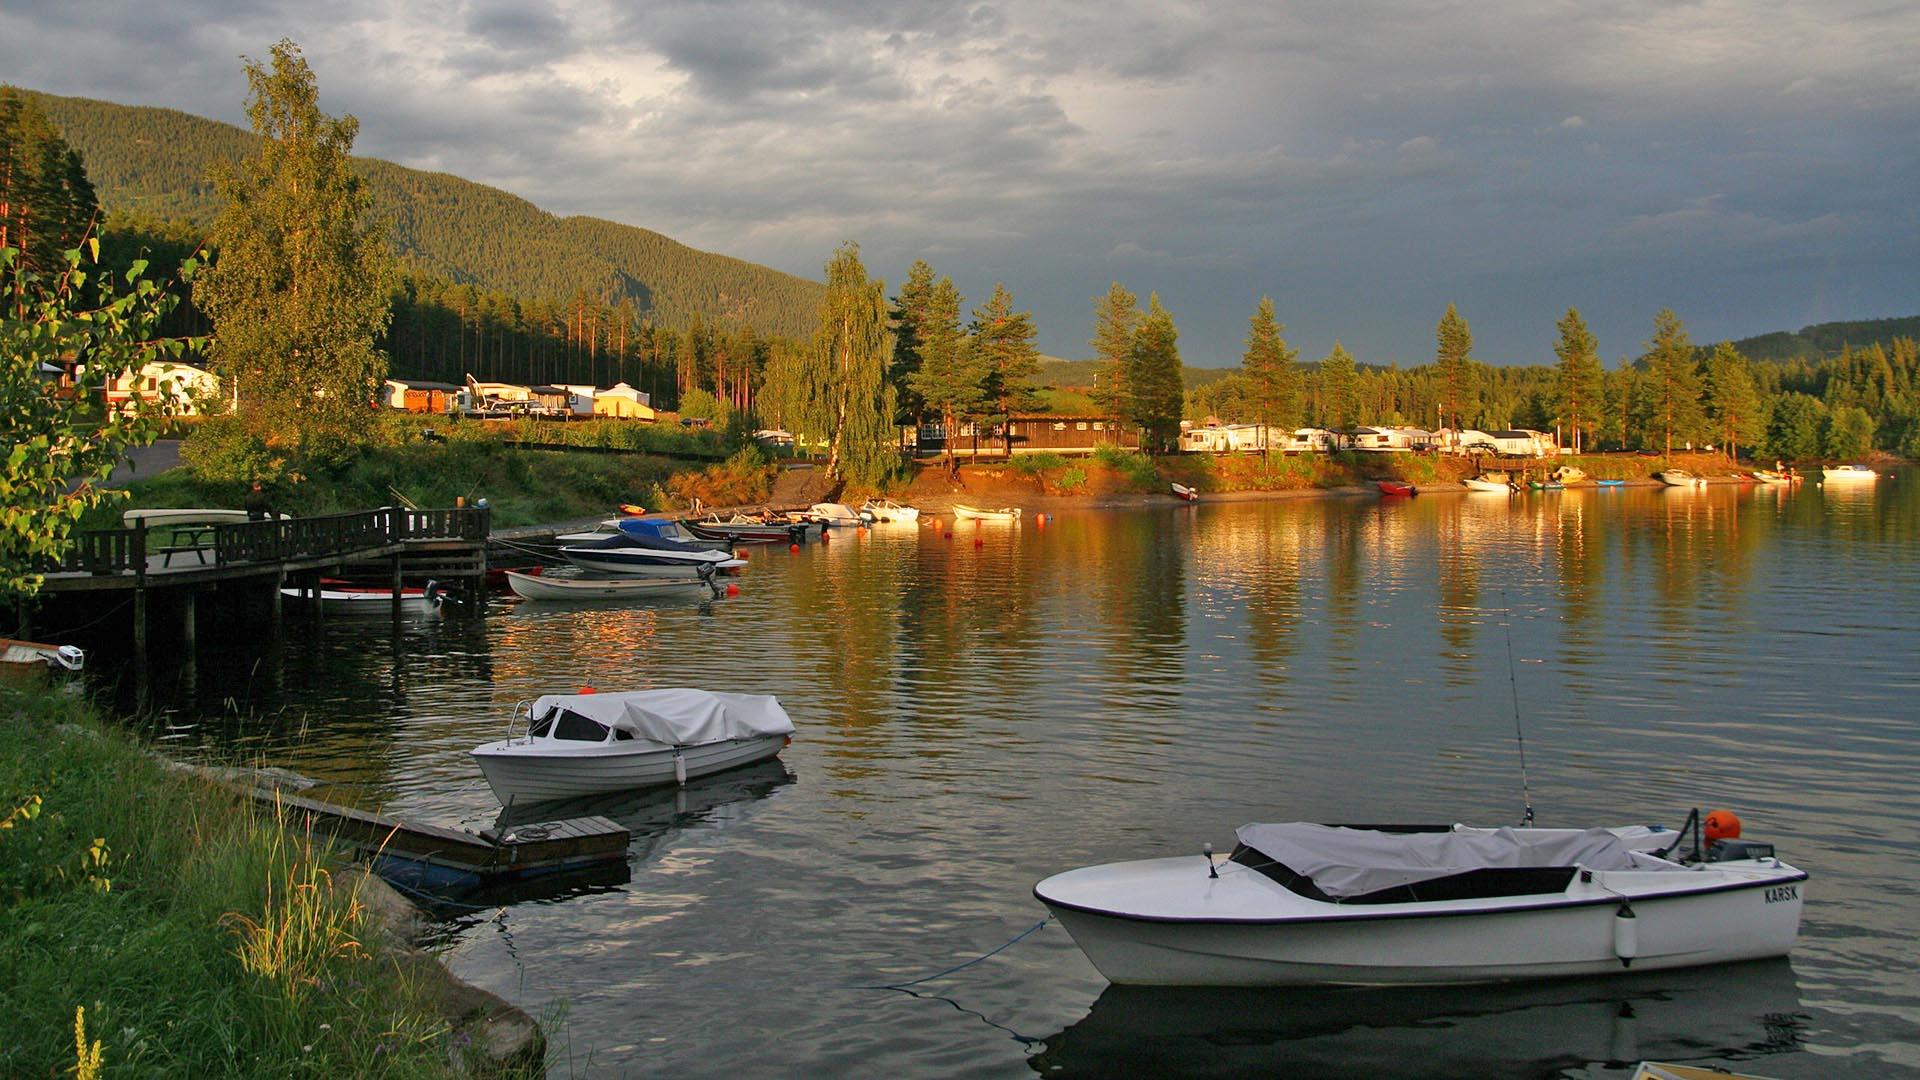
156, 925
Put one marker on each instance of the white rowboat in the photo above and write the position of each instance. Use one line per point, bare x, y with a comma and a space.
542, 587
1005, 513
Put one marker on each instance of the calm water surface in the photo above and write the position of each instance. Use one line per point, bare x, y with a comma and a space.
978, 712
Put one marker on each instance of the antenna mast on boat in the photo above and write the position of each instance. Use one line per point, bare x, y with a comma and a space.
1526, 789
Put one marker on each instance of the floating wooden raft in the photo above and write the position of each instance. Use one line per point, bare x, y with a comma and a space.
437, 857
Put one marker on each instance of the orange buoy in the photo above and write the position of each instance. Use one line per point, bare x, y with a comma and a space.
1721, 825
588, 690
733, 590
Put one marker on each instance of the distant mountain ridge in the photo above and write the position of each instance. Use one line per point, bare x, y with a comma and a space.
1822, 340
154, 163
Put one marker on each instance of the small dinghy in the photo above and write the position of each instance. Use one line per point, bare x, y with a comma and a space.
346, 598
1492, 481
1680, 478
837, 515
1397, 489
28, 662
1307, 904
586, 744
1185, 493
543, 587
1005, 513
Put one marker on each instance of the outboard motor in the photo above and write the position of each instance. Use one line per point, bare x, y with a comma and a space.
1723, 839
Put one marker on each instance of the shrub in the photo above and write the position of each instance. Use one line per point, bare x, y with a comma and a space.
225, 449
1136, 467
1073, 478
1035, 464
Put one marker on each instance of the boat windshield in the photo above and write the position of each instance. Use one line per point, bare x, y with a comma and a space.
569, 725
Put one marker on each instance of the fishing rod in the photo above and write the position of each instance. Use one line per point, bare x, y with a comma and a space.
1519, 736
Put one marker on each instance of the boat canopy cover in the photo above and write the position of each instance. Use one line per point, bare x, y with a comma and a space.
1345, 862
682, 717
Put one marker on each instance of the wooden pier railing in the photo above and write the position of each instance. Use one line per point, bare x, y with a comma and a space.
119, 551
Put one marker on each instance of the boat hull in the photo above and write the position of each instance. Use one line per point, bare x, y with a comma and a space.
621, 563
1849, 476
367, 601
1749, 913
1487, 485
519, 776
974, 513
530, 587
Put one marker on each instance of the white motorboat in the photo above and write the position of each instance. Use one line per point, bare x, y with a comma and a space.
647, 556
1305, 904
1679, 478
1485, 483
1184, 493
888, 510
837, 515
345, 598
27, 662
548, 587
658, 528
585, 744
1849, 474
1769, 476
1005, 513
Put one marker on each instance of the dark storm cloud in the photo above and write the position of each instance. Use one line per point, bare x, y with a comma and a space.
1364, 164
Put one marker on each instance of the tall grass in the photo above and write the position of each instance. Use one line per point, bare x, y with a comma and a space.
1136, 467
200, 936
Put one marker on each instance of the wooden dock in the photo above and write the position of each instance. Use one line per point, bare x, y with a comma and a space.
440, 859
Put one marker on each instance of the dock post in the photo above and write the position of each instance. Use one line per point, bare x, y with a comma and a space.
396, 588
187, 619
140, 647
279, 582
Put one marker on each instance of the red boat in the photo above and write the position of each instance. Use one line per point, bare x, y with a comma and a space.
1395, 487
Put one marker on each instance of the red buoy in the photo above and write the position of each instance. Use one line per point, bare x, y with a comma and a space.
977, 542
587, 690
733, 590
794, 548
1721, 825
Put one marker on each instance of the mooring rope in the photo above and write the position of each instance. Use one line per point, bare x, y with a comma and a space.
1003, 947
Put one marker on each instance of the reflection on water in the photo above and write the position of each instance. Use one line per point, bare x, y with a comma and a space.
1733, 1014
981, 710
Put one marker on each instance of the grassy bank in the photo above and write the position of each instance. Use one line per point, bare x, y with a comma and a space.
524, 487
199, 937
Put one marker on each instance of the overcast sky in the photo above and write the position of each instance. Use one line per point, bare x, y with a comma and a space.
1753, 165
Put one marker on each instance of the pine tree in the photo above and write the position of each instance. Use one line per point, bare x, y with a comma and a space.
1002, 342
949, 380
851, 352
1115, 318
1153, 377
1268, 363
1673, 382
1452, 362
1733, 402
298, 294
47, 204
1577, 382
1339, 389
910, 314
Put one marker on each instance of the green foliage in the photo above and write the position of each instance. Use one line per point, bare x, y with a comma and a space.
1116, 317
47, 204
1671, 404
1138, 468
949, 379
1848, 432
123, 894
60, 451
1273, 394
1153, 377
226, 449
1793, 431
1339, 390
1036, 463
1579, 379
1452, 364
1732, 400
1072, 478
444, 228
700, 405
745, 479
298, 293
1001, 342
847, 365
913, 316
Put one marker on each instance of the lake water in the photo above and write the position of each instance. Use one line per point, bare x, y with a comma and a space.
978, 712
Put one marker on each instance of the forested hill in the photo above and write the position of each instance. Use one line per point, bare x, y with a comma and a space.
1823, 340
153, 164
